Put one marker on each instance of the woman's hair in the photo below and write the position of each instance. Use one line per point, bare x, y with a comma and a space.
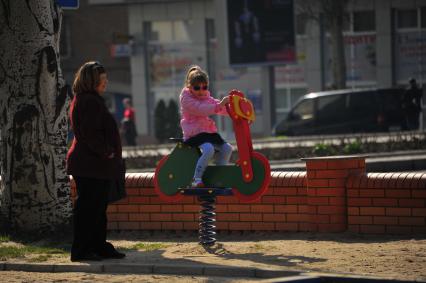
196, 75
87, 77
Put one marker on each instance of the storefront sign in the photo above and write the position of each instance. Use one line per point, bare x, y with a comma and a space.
120, 50
410, 51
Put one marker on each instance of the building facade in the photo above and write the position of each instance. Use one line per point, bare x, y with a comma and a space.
384, 41
98, 33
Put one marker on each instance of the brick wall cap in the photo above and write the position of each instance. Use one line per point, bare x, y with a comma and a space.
335, 157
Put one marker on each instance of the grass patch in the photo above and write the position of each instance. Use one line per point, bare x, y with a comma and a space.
149, 247
40, 258
4, 238
7, 252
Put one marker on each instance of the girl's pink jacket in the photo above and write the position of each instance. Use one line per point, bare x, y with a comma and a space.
195, 112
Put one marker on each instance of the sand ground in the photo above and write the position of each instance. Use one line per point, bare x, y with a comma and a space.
400, 257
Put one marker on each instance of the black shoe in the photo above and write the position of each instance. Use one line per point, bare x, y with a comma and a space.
111, 254
108, 251
86, 256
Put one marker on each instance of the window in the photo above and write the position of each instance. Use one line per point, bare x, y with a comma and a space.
296, 93
301, 22
281, 100
359, 21
346, 22
304, 111
407, 18
168, 31
364, 21
285, 99
330, 107
361, 104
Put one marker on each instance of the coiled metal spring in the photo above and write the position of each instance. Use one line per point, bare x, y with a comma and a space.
207, 227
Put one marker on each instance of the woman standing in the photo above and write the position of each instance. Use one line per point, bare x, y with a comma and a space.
94, 160
128, 125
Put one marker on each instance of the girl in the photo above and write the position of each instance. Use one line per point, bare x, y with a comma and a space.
196, 106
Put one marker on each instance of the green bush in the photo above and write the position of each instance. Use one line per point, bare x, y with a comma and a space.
322, 149
353, 147
160, 121
166, 121
173, 120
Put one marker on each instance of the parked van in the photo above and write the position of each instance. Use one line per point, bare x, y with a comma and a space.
344, 111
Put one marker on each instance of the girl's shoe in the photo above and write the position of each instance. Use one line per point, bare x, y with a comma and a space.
197, 183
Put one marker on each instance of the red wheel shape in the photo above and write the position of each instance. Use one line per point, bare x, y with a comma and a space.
167, 198
264, 186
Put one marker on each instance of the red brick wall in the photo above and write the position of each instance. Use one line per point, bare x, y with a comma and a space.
283, 208
333, 195
393, 203
327, 192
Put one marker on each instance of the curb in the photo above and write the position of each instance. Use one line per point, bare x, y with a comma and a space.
193, 270
199, 270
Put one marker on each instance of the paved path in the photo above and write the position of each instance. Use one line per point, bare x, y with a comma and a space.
175, 272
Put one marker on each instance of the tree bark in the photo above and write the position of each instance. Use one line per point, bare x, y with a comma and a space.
337, 43
34, 190
333, 12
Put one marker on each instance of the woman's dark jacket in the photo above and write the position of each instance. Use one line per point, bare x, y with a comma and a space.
96, 136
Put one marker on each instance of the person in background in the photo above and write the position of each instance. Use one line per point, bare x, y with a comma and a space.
199, 130
95, 163
128, 125
411, 104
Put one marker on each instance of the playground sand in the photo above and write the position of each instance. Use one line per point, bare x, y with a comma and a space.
400, 257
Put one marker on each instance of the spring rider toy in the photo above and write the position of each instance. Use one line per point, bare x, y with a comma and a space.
247, 179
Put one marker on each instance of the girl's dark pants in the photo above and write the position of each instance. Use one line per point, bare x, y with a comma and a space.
89, 215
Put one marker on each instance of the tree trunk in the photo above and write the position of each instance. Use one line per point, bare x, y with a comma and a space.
337, 43
34, 190
333, 13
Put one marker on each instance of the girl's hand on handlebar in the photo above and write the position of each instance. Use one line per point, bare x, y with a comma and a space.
224, 101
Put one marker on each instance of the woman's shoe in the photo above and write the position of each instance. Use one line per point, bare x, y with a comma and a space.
108, 251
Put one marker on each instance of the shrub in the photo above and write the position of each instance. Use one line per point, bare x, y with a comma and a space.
166, 121
322, 149
173, 120
353, 147
160, 121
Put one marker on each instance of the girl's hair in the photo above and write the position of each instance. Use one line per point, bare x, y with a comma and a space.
196, 75
87, 77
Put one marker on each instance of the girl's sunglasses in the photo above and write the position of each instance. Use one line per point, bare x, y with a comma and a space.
197, 87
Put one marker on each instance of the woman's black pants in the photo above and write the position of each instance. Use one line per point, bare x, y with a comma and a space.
89, 215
